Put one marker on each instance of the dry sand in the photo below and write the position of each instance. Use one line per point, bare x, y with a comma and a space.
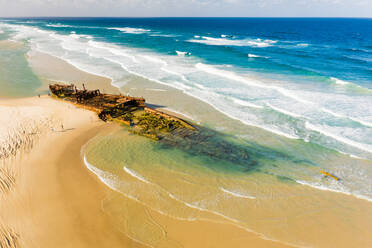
52, 200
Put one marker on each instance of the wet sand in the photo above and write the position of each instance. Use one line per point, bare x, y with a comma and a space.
51, 69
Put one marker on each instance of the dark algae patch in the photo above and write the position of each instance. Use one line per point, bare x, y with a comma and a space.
225, 152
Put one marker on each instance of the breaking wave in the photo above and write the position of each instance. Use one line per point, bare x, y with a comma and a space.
323, 131
336, 189
179, 53
237, 194
135, 175
58, 25
233, 42
250, 55
132, 30
338, 81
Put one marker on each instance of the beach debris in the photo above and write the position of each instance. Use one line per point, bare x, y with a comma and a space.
327, 174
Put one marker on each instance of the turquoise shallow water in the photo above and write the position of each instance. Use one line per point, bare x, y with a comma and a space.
262, 197
16, 77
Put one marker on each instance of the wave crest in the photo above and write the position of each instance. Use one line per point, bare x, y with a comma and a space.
233, 42
129, 30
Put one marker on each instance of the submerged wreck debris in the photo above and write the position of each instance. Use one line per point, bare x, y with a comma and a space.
131, 111
169, 130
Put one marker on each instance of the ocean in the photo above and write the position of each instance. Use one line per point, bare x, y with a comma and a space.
294, 93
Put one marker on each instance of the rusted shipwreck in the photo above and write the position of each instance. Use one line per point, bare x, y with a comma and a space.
131, 111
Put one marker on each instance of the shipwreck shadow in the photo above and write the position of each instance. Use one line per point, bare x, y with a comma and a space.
227, 152
155, 106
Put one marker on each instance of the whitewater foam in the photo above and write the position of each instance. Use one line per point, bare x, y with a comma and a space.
252, 82
303, 45
322, 187
135, 175
179, 53
163, 35
253, 56
284, 111
271, 130
112, 49
180, 113
362, 122
58, 25
365, 123
154, 89
233, 42
130, 30
106, 178
333, 113
237, 194
164, 66
250, 55
154, 59
246, 104
364, 147
339, 81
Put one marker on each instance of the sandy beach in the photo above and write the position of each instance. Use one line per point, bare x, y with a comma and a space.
50, 199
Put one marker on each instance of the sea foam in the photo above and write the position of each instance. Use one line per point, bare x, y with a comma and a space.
130, 30
58, 25
237, 194
323, 131
323, 187
284, 111
233, 42
339, 81
179, 53
135, 175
